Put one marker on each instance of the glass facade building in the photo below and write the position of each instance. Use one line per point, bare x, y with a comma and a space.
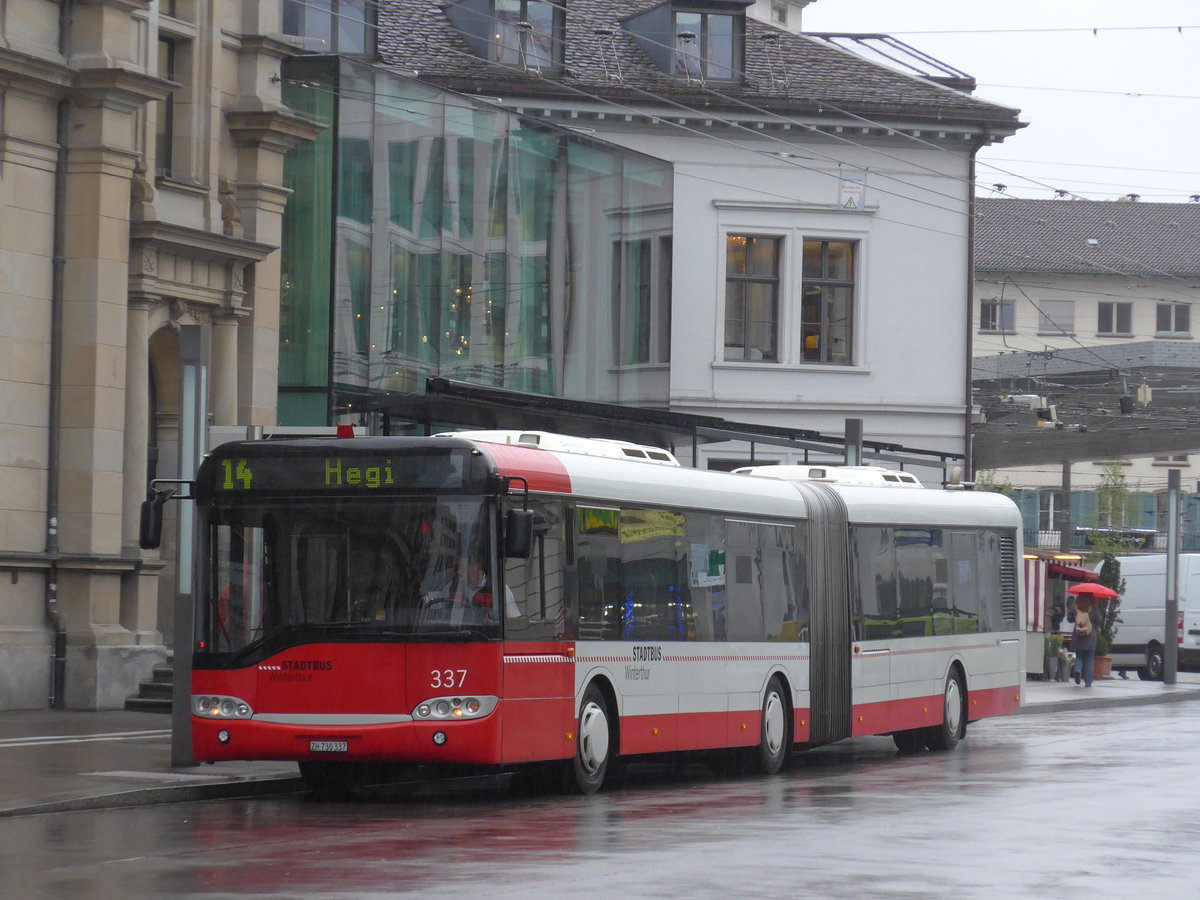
430, 234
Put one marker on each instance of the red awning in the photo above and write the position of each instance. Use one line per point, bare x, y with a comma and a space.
1070, 573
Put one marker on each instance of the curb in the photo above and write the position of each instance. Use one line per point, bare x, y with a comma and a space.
251, 787
1033, 709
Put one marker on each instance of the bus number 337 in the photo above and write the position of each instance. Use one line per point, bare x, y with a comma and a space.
447, 678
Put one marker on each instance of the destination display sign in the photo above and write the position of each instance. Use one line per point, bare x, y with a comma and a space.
339, 472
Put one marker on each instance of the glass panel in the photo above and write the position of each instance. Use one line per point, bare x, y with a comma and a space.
763, 322
876, 559
539, 47
687, 49
720, 46
352, 28
764, 256
735, 320
164, 125
914, 570
354, 184
299, 572
841, 261
813, 259
305, 281
812, 305
965, 587
840, 310
736, 261
476, 275
507, 39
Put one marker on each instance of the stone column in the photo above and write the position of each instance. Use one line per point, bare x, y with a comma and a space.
263, 137
95, 574
223, 369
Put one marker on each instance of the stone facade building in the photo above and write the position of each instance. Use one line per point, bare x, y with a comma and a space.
141, 192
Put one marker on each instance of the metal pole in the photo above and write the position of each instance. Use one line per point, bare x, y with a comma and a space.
854, 442
193, 442
1171, 618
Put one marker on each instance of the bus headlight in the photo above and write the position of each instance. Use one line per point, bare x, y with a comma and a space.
451, 708
215, 706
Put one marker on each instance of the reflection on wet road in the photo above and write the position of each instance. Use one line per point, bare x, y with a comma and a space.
1098, 802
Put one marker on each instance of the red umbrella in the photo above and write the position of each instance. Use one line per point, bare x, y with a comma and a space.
1092, 589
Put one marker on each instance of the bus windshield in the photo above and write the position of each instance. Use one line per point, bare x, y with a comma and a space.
345, 569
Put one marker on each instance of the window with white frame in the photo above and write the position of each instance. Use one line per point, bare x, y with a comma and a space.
789, 297
1173, 318
996, 314
827, 302
1114, 318
1056, 317
1050, 507
752, 297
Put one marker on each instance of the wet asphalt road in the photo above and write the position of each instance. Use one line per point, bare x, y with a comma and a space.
1099, 803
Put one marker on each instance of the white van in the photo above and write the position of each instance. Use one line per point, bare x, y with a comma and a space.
1138, 643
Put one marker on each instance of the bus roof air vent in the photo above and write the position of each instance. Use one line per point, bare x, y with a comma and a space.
566, 443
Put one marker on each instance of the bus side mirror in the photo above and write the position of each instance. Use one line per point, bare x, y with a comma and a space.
150, 527
518, 533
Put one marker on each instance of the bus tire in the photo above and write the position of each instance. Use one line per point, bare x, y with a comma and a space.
954, 715
1156, 664
595, 744
329, 780
775, 730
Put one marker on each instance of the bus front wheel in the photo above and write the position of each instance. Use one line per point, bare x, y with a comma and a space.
954, 715
595, 747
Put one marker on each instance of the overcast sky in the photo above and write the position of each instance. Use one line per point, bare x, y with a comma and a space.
1086, 134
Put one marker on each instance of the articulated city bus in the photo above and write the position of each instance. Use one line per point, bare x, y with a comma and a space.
457, 600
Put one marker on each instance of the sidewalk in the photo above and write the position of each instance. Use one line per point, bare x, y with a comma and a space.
62, 761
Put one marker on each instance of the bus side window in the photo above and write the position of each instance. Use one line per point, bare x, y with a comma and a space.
537, 583
877, 615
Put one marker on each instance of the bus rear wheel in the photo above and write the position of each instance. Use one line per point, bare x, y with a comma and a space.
954, 715
595, 744
775, 732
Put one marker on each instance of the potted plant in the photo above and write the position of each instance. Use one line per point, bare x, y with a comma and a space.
1054, 646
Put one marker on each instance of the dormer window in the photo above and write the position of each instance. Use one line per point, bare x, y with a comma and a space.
694, 39
524, 33
707, 44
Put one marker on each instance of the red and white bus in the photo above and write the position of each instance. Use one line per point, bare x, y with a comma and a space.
455, 600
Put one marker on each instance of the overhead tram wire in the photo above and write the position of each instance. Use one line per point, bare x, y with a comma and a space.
877, 124
632, 110
708, 114
1096, 29
705, 114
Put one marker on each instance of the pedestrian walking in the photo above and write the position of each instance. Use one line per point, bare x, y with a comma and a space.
1083, 638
